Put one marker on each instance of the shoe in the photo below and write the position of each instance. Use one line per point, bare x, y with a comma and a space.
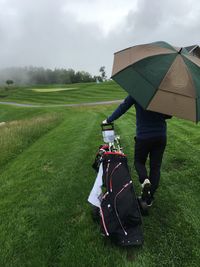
146, 193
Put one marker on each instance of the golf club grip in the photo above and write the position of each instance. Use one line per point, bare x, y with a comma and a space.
107, 126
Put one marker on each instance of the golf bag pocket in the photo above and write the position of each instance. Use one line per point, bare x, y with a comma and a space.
127, 206
109, 221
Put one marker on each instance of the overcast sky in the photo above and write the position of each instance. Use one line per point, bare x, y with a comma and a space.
84, 34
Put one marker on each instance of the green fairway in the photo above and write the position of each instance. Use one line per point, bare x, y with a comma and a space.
46, 177
65, 94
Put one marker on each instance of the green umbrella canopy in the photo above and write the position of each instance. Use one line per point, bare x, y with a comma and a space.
160, 78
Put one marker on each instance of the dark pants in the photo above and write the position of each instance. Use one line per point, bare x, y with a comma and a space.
154, 148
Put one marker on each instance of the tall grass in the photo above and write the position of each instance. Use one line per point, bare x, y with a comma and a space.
16, 135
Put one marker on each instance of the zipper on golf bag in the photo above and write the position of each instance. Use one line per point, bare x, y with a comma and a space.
109, 183
103, 222
111, 175
115, 206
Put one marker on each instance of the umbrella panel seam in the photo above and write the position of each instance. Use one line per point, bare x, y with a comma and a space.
175, 93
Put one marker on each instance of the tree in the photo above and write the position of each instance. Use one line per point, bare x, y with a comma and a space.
103, 73
39, 75
9, 82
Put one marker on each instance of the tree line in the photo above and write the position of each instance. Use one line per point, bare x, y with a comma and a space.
40, 75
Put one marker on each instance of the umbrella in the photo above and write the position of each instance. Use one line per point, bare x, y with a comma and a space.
160, 78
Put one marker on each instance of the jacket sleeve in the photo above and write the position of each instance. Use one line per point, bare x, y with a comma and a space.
122, 108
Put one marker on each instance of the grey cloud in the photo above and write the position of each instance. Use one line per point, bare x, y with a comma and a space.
50, 38
170, 21
40, 33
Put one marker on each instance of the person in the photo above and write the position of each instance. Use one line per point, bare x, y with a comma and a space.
150, 141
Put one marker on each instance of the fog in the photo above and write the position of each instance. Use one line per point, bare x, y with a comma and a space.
84, 34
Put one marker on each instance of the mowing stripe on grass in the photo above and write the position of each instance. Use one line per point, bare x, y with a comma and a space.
44, 215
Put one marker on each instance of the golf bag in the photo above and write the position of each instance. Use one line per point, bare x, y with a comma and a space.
120, 217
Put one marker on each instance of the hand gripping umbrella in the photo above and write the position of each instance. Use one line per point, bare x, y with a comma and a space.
160, 78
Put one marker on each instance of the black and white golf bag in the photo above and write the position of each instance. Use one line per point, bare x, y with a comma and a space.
114, 196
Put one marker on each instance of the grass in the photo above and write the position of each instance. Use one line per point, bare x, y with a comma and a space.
44, 215
78, 93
